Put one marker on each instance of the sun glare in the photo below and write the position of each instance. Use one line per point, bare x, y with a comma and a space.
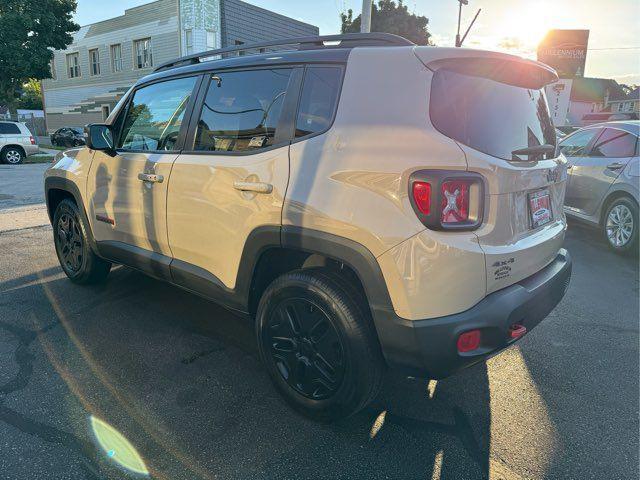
528, 25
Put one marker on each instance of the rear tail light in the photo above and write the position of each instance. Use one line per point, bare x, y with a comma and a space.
32, 140
469, 341
445, 200
454, 207
422, 197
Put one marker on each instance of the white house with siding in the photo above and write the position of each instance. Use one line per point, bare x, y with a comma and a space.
106, 58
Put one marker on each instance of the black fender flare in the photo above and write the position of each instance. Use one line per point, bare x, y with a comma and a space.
66, 185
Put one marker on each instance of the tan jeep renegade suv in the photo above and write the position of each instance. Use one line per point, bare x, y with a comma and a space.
368, 202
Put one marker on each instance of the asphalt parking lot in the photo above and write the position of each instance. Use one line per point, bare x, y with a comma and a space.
179, 378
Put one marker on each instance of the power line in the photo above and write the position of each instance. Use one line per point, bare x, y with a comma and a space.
615, 48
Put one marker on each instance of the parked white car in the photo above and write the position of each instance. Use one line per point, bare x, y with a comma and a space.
16, 142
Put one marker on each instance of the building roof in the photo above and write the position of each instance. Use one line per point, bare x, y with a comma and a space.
631, 96
593, 90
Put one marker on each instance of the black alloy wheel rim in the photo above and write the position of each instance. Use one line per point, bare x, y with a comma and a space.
305, 348
70, 242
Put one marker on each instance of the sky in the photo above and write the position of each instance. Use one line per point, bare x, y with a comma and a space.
514, 26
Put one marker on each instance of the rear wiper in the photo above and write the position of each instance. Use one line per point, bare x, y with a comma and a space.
537, 150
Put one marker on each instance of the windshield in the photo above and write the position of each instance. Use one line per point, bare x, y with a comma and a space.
490, 116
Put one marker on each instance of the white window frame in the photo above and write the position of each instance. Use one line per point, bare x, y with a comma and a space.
211, 35
149, 54
116, 62
188, 41
94, 66
73, 71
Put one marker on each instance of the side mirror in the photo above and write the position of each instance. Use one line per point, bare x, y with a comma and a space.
100, 137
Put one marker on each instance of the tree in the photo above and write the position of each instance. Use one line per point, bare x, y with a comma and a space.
391, 17
29, 32
31, 98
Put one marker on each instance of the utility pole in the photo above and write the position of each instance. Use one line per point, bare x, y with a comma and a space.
460, 3
365, 18
460, 41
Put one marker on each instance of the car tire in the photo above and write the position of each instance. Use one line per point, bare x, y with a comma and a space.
12, 156
317, 341
73, 248
620, 226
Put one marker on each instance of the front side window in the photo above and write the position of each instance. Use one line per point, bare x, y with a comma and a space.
614, 144
576, 145
155, 114
94, 62
241, 110
142, 49
488, 115
73, 65
318, 101
116, 58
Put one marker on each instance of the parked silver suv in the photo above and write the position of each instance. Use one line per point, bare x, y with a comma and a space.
16, 142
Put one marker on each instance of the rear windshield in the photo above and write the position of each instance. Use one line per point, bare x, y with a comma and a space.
489, 116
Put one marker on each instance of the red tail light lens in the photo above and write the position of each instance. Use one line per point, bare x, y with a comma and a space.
422, 196
33, 140
455, 201
469, 341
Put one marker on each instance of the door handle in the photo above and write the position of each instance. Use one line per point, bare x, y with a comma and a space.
258, 187
615, 165
150, 177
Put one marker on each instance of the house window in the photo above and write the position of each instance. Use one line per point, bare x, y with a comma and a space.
52, 67
73, 65
620, 106
116, 58
238, 43
211, 40
188, 41
94, 62
142, 49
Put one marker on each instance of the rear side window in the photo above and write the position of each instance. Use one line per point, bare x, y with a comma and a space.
318, 100
154, 116
9, 128
614, 144
490, 116
242, 110
576, 145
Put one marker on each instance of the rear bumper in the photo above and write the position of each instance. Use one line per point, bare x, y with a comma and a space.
31, 149
428, 347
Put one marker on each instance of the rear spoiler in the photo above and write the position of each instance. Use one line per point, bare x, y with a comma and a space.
500, 67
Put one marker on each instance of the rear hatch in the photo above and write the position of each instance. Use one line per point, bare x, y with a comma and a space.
494, 107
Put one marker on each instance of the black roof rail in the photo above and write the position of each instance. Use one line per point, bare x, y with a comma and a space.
348, 40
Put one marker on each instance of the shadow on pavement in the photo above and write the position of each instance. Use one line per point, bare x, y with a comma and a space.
180, 378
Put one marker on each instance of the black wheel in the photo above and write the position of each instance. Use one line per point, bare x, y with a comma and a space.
620, 226
12, 156
318, 344
74, 252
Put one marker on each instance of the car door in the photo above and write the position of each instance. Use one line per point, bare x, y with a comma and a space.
574, 147
128, 189
235, 176
593, 173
